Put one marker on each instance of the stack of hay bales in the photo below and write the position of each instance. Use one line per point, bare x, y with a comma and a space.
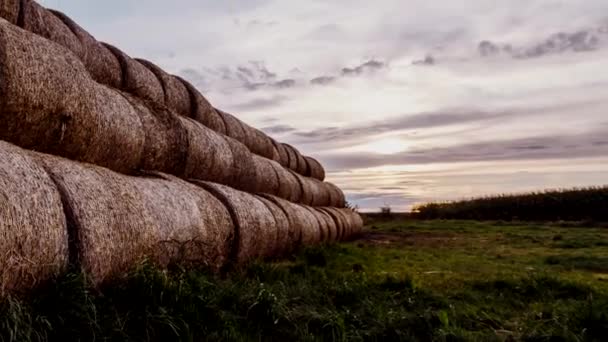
106, 161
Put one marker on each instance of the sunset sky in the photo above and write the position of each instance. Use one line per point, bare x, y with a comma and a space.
403, 101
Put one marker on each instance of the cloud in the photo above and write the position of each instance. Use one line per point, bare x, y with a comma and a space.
560, 42
322, 80
428, 60
370, 65
278, 129
260, 103
283, 84
533, 148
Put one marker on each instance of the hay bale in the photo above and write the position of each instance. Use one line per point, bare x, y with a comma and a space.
120, 220
234, 127
38, 20
255, 226
276, 156
336, 196
292, 157
306, 188
302, 164
354, 223
203, 111
99, 61
33, 229
282, 242
9, 10
312, 231
282, 153
339, 221
296, 222
65, 112
166, 139
325, 223
258, 142
322, 193
267, 180
244, 175
177, 97
289, 186
210, 156
331, 232
315, 169
137, 79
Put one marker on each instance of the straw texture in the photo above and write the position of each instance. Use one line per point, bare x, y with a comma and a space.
282, 241
266, 180
296, 222
202, 111
315, 169
48, 104
289, 186
177, 96
120, 220
339, 221
137, 79
99, 61
33, 230
255, 226
9, 10
311, 231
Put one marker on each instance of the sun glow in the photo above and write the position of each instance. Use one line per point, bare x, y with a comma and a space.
385, 146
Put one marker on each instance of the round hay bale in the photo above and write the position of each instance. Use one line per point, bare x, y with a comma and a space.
348, 226
332, 227
9, 10
315, 169
302, 164
339, 221
325, 223
306, 188
234, 127
255, 226
282, 153
312, 231
258, 142
202, 110
137, 79
282, 242
210, 156
292, 157
99, 61
40, 21
289, 185
267, 180
276, 156
177, 97
33, 229
336, 196
118, 220
242, 169
166, 139
48, 103
296, 222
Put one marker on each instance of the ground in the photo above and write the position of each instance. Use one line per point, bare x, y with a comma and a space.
402, 280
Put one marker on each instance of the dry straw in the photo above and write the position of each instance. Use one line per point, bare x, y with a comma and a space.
332, 227
166, 139
292, 157
38, 20
296, 222
266, 180
99, 61
234, 128
336, 196
311, 230
137, 79
177, 97
33, 230
289, 186
67, 113
119, 220
243, 169
282, 153
340, 221
282, 241
315, 169
203, 111
255, 226
9, 10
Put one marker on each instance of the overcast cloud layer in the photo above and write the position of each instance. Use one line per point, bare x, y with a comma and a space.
404, 101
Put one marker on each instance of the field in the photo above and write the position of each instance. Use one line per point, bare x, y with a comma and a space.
403, 280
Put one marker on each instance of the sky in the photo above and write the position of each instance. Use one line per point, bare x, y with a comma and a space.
403, 101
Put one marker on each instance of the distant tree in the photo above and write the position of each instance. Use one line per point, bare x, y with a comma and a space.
386, 210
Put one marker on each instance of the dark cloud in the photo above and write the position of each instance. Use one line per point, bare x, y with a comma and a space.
578, 41
322, 80
278, 129
428, 60
286, 83
405, 122
259, 103
544, 147
370, 65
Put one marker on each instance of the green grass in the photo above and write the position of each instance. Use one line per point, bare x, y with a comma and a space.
404, 280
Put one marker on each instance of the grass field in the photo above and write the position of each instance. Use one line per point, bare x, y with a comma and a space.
403, 280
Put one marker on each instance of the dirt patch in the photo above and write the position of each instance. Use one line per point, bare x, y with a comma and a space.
402, 239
